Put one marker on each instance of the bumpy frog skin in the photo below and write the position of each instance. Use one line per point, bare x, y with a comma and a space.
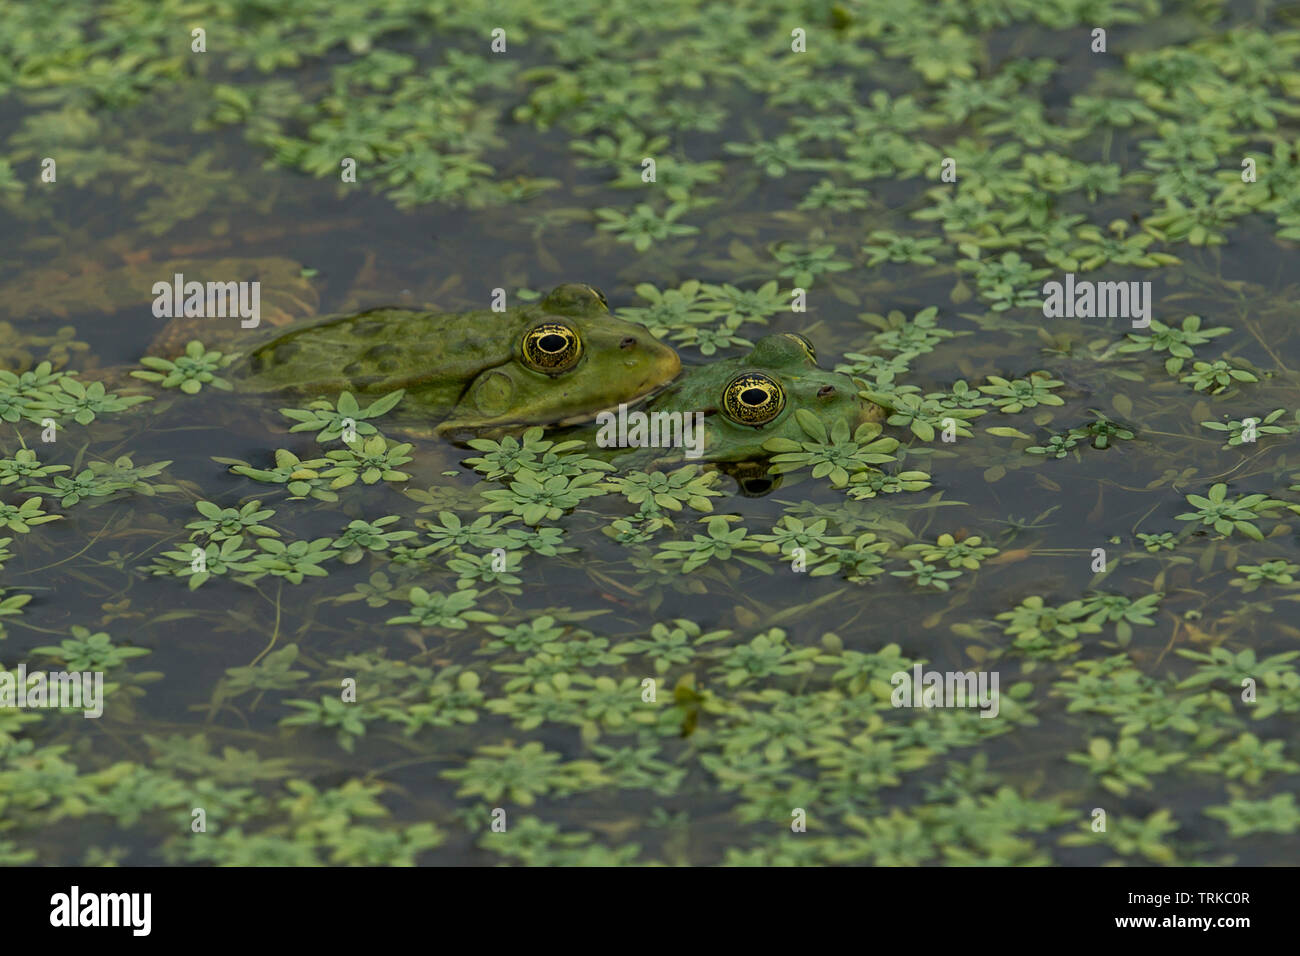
750, 399
560, 361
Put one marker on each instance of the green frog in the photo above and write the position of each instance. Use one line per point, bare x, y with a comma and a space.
742, 402
558, 362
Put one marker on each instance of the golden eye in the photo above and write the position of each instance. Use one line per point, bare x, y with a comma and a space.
551, 347
752, 398
807, 346
599, 295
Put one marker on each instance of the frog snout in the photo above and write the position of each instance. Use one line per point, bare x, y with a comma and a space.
664, 361
862, 411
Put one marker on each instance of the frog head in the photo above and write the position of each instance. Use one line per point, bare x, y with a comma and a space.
722, 413
567, 360
751, 399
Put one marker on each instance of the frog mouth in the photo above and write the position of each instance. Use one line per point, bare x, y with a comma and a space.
633, 402
459, 431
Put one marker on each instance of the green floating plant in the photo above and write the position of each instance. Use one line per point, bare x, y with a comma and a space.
302, 479
1123, 612
373, 460
334, 420
721, 542
22, 518
529, 452
767, 655
273, 672
645, 225
533, 842
911, 337
1103, 431
101, 478
1161, 541
220, 523
1214, 510
82, 402
1244, 817
1045, 632
776, 157
927, 575
454, 611
535, 499
1270, 572
861, 561
835, 455
525, 637
791, 532
886, 246
673, 644
1221, 665
1177, 341
1011, 396
522, 773
189, 372
1007, 282
24, 466
1126, 764
85, 651
1058, 446
968, 553
1247, 759
451, 533
744, 306
870, 484
924, 415
688, 486
673, 310
1248, 429
330, 712
11, 604
293, 561
1215, 377
710, 340
488, 572
201, 564
802, 263
826, 195
1131, 836
29, 395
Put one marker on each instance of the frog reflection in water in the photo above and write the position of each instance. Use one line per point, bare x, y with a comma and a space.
744, 402
474, 373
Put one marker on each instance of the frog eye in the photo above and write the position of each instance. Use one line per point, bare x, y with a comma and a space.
551, 347
599, 295
752, 398
807, 346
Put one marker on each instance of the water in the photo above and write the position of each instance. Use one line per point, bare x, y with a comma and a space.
146, 188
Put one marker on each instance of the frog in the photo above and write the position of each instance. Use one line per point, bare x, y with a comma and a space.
554, 363
744, 402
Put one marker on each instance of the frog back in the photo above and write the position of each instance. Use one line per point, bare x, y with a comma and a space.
433, 355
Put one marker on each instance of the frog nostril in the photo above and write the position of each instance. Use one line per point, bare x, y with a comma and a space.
627, 343
825, 390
